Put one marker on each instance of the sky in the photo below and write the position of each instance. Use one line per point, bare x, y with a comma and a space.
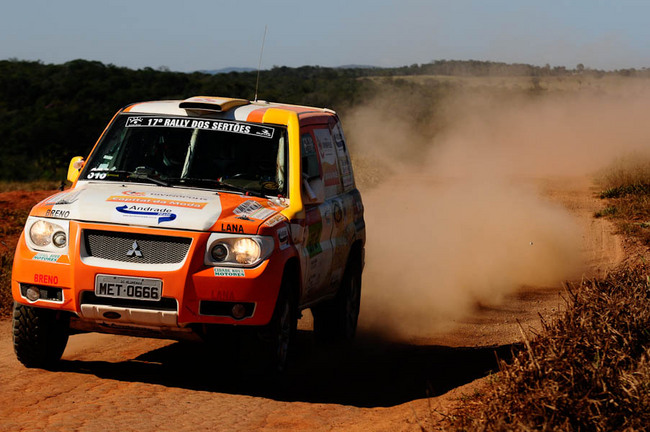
214, 34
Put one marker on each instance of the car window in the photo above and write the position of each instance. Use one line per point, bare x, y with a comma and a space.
192, 152
310, 165
329, 161
345, 167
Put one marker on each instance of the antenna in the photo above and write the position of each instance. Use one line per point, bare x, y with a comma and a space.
259, 64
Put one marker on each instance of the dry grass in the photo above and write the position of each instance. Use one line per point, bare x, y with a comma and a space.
589, 371
627, 174
626, 187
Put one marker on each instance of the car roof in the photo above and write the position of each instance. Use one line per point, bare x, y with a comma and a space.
226, 108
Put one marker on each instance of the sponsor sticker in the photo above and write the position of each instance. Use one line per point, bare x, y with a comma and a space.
165, 195
163, 215
278, 218
204, 124
229, 272
253, 209
245, 208
261, 214
157, 201
283, 238
313, 239
47, 257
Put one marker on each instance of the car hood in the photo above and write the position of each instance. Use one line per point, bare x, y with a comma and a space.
160, 207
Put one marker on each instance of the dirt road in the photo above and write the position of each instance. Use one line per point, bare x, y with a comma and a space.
118, 383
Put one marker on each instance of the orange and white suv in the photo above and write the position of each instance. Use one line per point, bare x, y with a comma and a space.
192, 216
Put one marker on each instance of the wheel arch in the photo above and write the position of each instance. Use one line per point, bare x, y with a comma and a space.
292, 277
357, 255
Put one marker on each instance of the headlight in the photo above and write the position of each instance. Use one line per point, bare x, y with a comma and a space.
246, 251
43, 235
237, 251
219, 252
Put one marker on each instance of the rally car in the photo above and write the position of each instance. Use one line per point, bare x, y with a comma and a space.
194, 216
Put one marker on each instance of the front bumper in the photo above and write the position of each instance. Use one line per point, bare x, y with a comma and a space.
192, 292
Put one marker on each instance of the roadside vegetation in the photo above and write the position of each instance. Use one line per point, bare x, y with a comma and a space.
626, 191
589, 370
12, 224
16, 200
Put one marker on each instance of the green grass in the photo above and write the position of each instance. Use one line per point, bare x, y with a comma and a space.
624, 190
607, 211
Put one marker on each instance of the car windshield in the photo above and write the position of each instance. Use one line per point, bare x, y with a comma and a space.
192, 152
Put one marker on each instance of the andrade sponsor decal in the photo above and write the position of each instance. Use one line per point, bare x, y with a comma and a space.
163, 215
157, 201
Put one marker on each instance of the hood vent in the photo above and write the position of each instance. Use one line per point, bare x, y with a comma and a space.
213, 104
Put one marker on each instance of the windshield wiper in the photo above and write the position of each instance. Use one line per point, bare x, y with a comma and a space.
218, 184
140, 176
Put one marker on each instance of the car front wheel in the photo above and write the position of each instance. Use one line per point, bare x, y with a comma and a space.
282, 328
39, 335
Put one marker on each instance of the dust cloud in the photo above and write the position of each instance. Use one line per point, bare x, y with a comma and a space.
456, 217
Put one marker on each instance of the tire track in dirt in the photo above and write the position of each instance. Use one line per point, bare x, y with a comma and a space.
122, 383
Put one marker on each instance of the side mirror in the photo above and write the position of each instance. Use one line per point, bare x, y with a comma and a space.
313, 190
74, 168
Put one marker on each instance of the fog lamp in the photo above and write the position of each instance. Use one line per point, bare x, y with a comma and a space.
59, 239
33, 293
238, 311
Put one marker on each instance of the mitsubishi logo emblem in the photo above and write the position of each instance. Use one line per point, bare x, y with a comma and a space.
135, 250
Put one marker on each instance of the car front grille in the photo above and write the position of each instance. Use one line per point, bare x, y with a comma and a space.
136, 248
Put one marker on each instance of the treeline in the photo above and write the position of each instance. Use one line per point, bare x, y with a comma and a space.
49, 113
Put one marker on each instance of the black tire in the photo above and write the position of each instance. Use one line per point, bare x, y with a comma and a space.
281, 331
336, 319
40, 335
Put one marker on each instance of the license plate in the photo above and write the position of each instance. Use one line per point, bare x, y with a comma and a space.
128, 287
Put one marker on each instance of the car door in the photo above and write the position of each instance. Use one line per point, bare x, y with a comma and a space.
317, 248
